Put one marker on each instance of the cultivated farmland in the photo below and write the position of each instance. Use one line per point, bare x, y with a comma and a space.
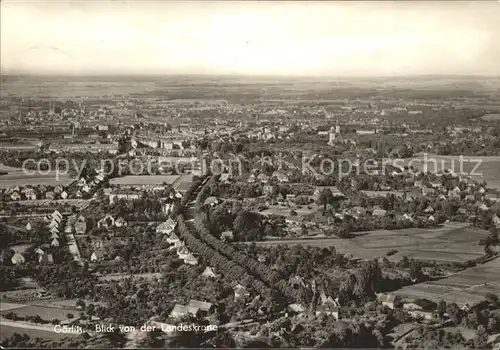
454, 242
46, 313
9, 330
17, 177
466, 287
144, 180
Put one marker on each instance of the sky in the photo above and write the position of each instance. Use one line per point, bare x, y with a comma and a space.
341, 38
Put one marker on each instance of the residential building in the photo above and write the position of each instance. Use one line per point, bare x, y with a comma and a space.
18, 259
203, 306
240, 292
329, 310
97, 255
209, 272
387, 300
227, 236
45, 259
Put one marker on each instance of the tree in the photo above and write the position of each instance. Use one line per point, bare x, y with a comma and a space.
493, 236
153, 340
325, 197
481, 339
441, 308
492, 299
346, 289
80, 303
454, 312
416, 269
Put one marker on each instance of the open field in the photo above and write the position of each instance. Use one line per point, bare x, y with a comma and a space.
383, 193
29, 293
62, 304
491, 117
454, 242
78, 203
8, 329
143, 180
45, 312
19, 178
103, 89
17, 146
10, 306
466, 287
285, 211
488, 169
121, 276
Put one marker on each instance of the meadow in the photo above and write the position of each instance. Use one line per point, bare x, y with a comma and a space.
454, 242
10, 328
144, 180
45, 312
18, 177
466, 287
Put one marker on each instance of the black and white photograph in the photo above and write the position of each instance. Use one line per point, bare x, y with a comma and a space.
250, 174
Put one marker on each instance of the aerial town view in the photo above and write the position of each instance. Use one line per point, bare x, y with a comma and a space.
250, 175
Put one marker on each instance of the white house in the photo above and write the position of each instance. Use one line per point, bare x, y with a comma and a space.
496, 221
329, 310
209, 272
46, 259
227, 236
106, 222
173, 238
406, 216
379, 212
97, 256
57, 215
17, 259
15, 196
429, 209
182, 252
280, 176
180, 311
240, 292
263, 178
190, 259
211, 201
387, 300
120, 222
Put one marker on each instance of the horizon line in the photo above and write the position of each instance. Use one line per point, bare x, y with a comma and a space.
215, 75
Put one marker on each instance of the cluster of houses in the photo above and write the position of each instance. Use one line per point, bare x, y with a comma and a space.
473, 199
417, 308
18, 193
109, 221
278, 175
194, 308
75, 225
86, 185
58, 192
53, 223
167, 229
130, 194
